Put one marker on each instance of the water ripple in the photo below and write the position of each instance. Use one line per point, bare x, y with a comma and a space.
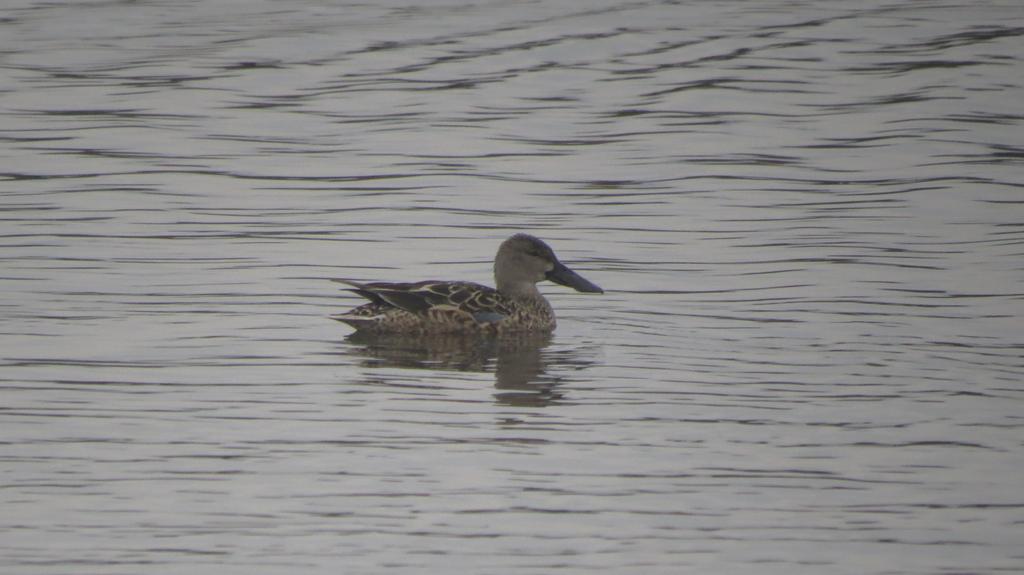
806, 218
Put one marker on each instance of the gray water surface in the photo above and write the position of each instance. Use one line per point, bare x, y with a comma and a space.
808, 218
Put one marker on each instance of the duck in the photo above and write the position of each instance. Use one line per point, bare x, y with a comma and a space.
514, 305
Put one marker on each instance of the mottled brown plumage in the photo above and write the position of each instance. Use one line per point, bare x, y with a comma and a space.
453, 307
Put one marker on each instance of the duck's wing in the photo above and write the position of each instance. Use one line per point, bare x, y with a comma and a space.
480, 303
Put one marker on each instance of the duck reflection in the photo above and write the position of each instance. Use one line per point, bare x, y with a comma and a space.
519, 361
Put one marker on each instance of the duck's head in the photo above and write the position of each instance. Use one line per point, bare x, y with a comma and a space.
524, 260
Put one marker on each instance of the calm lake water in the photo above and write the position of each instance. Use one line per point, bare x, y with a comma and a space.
808, 218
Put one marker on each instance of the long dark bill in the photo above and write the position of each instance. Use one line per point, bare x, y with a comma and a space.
565, 276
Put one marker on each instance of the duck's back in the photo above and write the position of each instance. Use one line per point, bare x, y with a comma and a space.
440, 306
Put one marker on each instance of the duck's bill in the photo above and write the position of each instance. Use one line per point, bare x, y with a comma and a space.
565, 276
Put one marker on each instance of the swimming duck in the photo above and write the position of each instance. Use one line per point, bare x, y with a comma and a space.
461, 307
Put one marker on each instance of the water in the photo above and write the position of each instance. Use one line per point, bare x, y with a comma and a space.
807, 217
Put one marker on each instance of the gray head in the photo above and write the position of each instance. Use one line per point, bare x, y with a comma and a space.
524, 260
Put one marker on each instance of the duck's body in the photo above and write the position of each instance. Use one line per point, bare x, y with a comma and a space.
441, 306
466, 307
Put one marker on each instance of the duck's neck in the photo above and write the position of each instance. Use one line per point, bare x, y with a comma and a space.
530, 308
519, 290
